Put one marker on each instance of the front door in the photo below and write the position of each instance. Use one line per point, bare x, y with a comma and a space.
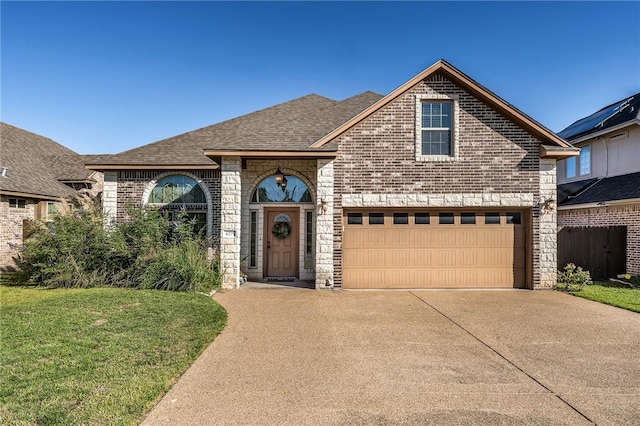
281, 236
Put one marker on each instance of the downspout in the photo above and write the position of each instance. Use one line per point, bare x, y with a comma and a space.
606, 150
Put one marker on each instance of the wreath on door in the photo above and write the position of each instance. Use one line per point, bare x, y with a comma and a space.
281, 230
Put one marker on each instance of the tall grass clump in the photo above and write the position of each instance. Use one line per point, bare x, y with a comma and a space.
148, 251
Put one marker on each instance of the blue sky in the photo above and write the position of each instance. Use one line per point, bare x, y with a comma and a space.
103, 77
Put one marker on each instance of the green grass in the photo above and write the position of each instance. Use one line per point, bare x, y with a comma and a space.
96, 356
612, 294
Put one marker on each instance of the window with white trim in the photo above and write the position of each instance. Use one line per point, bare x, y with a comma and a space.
435, 128
579, 166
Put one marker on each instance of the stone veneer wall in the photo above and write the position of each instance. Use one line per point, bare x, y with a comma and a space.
230, 189
497, 164
11, 231
619, 215
252, 174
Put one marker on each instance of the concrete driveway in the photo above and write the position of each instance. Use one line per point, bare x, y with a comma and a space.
305, 357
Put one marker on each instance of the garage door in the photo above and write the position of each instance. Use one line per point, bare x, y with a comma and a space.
433, 249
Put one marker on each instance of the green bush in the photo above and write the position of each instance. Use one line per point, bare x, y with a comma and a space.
148, 251
573, 278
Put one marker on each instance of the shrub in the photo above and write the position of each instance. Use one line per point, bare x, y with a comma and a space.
147, 251
573, 278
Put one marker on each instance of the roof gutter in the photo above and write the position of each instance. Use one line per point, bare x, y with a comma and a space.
270, 154
605, 131
601, 204
30, 195
150, 167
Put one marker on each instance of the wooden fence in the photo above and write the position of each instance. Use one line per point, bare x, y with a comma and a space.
599, 250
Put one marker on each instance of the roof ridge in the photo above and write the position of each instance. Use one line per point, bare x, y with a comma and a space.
310, 95
293, 117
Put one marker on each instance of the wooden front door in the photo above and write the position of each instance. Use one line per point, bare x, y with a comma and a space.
281, 234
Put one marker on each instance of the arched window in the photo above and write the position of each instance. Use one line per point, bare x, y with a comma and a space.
291, 190
177, 189
175, 194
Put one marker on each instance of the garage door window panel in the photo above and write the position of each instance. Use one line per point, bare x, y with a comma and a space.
492, 218
445, 218
401, 218
376, 218
354, 218
468, 218
514, 218
422, 218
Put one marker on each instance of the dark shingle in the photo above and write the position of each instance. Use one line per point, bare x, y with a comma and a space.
35, 164
624, 187
293, 125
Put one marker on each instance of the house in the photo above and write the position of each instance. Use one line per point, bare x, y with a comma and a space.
37, 174
440, 183
601, 187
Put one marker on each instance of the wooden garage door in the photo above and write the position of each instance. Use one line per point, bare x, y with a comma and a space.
433, 249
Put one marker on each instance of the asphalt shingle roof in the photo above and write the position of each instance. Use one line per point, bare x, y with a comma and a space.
290, 126
36, 164
623, 187
624, 110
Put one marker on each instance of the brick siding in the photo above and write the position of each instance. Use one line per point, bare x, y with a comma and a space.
623, 215
495, 156
11, 231
131, 185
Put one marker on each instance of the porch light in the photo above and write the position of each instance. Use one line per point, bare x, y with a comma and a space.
278, 176
323, 206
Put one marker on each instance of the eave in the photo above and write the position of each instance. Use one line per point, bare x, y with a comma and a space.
468, 84
557, 152
151, 166
216, 154
600, 204
30, 195
603, 132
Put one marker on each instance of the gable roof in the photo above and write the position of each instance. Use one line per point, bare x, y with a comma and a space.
471, 86
37, 165
289, 126
615, 188
623, 111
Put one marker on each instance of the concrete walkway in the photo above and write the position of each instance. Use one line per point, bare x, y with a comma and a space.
306, 357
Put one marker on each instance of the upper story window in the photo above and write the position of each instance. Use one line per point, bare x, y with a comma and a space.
579, 166
436, 127
177, 189
291, 190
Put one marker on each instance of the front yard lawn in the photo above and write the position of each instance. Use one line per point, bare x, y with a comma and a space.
612, 294
96, 356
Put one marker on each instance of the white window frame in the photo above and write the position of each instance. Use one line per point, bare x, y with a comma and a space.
455, 126
577, 161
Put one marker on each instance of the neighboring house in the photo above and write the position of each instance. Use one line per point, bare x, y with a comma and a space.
601, 187
37, 173
438, 184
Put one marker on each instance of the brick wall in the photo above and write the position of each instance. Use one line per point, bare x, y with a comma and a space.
494, 157
131, 185
623, 215
11, 231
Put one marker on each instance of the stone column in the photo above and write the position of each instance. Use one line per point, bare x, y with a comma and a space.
548, 231
324, 225
110, 198
230, 221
